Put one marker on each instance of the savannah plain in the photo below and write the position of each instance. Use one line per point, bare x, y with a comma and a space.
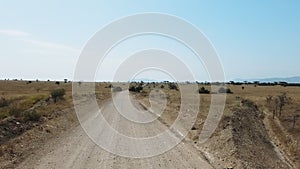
253, 131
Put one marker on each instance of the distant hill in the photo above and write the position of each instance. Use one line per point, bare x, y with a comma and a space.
295, 79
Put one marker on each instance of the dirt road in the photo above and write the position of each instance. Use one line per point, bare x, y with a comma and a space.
76, 150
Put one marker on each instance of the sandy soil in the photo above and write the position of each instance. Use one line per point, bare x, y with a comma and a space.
76, 150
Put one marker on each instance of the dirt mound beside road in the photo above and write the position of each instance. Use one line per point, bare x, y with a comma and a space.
242, 141
253, 145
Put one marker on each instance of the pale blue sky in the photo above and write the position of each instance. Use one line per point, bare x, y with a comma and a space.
254, 38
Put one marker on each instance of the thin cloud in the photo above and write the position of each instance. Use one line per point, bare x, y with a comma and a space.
52, 46
15, 33
38, 44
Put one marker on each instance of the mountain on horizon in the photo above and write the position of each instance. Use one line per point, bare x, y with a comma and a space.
294, 79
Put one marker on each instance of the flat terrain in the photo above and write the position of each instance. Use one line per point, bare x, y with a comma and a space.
245, 132
248, 136
76, 150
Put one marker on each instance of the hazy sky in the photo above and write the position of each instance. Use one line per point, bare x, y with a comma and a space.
254, 38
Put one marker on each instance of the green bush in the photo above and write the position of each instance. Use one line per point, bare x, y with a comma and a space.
58, 94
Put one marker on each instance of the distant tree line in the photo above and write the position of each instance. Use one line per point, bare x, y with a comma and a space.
258, 83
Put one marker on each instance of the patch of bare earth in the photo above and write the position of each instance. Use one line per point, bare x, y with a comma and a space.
242, 141
20, 140
21, 145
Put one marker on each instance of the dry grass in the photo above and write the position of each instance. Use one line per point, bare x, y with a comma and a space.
23, 95
29, 119
287, 136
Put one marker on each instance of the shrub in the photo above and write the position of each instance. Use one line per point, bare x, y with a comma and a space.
30, 101
135, 89
223, 90
138, 88
15, 111
31, 116
109, 86
173, 86
58, 94
117, 89
3, 114
228, 90
3, 102
202, 90
132, 88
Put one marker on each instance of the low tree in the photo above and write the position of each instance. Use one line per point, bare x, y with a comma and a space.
58, 94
